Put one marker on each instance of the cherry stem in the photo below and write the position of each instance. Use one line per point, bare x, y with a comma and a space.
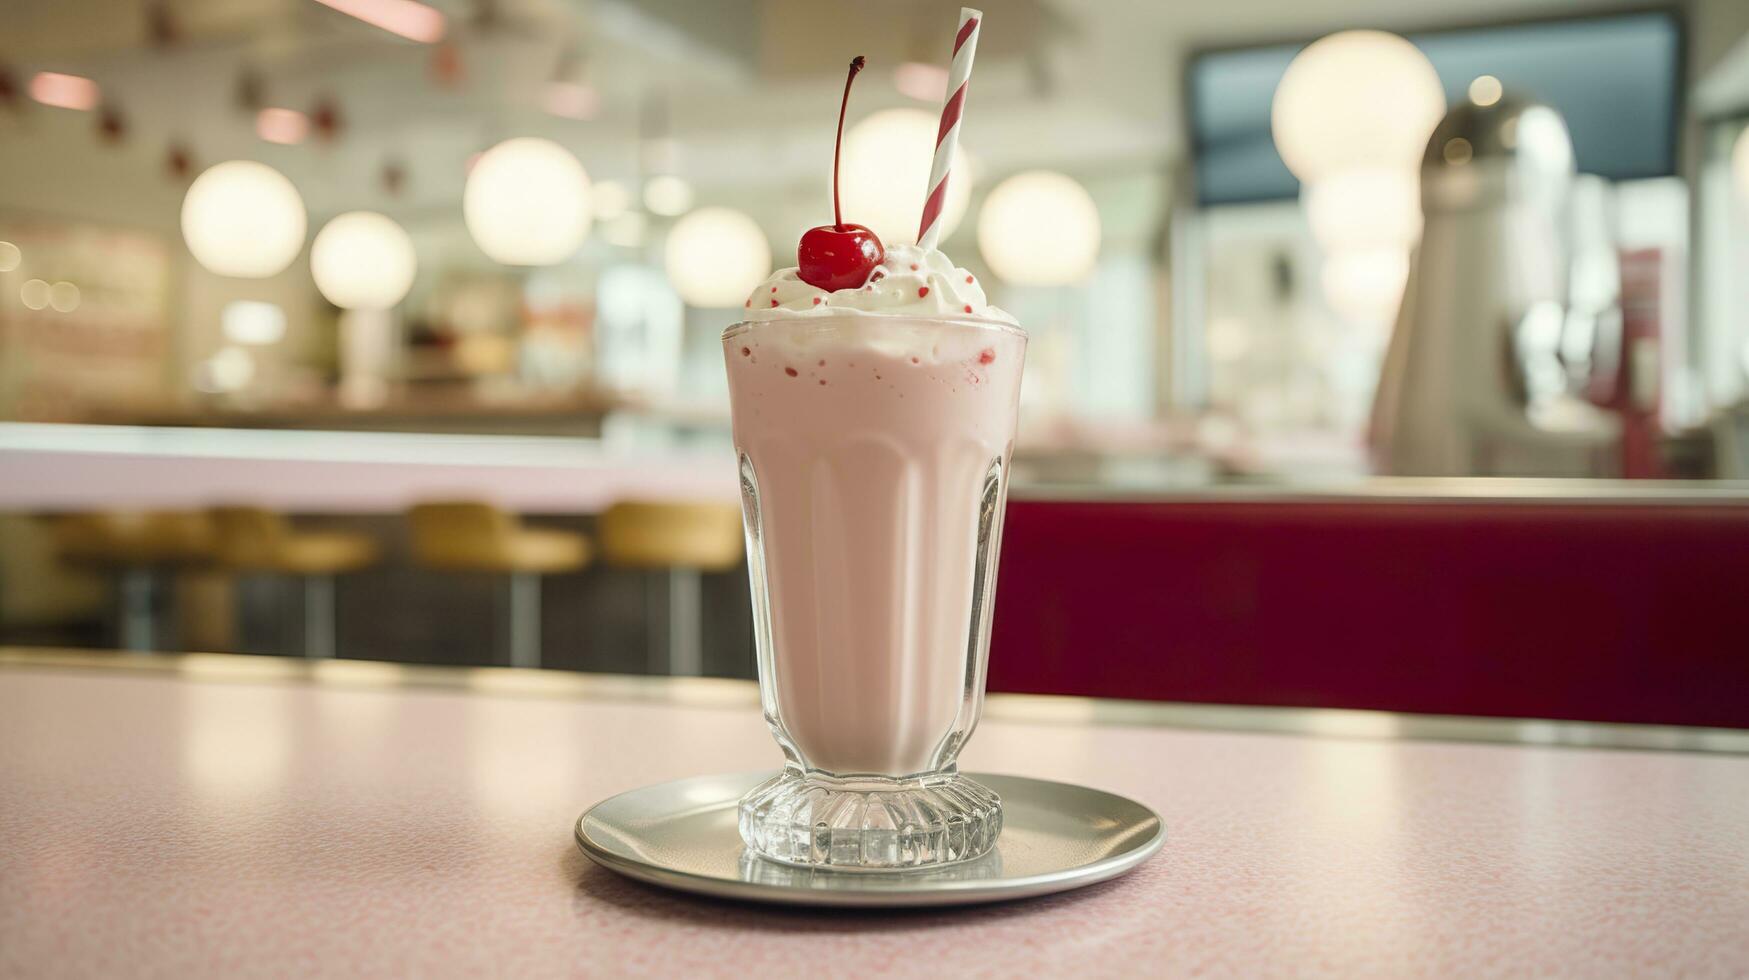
856, 65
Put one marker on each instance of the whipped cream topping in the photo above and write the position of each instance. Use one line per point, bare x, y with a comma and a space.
912, 281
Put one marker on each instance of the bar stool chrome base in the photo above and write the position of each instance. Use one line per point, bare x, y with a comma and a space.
677, 649
474, 536
681, 541
522, 620
319, 631
137, 610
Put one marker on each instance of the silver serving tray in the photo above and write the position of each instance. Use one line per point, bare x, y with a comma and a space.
1055, 836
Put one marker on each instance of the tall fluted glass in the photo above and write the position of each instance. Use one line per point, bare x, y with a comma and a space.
874, 455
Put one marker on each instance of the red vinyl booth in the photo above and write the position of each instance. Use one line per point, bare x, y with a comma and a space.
1599, 611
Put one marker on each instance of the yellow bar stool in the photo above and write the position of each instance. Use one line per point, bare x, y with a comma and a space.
468, 536
684, 540
256, 540
135, 547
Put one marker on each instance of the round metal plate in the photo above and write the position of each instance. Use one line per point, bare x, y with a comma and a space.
1055, 837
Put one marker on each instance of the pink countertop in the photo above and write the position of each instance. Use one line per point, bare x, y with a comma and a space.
224, 821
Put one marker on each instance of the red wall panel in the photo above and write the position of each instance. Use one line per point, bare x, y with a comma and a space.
1604, 612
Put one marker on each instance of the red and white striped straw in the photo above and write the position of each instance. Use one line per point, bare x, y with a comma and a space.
965, 47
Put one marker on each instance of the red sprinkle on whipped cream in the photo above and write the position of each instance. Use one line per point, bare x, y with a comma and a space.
911, 282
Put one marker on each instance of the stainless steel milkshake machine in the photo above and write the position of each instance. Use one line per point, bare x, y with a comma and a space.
1473, 382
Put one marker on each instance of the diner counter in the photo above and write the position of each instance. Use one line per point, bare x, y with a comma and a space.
70, 467
206, 815
66, 467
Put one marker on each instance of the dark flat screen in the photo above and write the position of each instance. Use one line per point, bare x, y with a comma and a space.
1615, 79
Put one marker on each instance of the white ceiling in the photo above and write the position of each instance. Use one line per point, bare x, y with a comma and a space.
749, 87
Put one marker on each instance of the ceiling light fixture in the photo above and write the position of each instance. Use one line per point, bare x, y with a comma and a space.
62, 91
571, 100
243, 219
406, 18
921, 81
526, 202
283, 126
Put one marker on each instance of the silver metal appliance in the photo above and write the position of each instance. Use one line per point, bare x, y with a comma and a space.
1472, 382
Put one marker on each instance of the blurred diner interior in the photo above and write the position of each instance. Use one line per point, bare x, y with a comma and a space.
1382, 354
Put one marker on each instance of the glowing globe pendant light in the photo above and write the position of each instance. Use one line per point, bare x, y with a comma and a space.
1355, 100
527, 202
243, 219
885, 174
1039, 228
363, 261
715, 256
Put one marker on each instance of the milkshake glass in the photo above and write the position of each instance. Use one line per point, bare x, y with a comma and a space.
874, 453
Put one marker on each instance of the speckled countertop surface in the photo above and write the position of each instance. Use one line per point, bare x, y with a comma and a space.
154, 824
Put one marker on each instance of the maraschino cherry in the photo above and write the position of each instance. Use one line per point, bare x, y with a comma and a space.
839, 256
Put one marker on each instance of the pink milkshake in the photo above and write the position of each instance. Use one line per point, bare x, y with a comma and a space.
874, 393
874, 427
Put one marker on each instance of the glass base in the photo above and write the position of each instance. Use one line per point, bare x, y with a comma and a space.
870, 823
